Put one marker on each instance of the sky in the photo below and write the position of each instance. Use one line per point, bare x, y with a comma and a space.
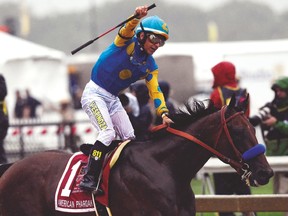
46, 7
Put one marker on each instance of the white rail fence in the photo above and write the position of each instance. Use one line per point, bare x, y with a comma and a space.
242, 203
239, 203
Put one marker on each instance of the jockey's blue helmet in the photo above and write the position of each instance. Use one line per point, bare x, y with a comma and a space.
155, 25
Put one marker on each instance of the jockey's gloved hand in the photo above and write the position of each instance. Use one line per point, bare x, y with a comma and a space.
166, 119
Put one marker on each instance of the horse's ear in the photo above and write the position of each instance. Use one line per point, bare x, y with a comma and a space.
232, 102
244, 104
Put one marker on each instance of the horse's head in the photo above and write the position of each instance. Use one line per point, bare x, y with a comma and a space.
238, 145
227, 134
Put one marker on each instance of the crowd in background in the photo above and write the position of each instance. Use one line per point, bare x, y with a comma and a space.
139, 107
26, 105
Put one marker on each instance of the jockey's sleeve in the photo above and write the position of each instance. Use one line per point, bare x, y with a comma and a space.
126, 32
155, 93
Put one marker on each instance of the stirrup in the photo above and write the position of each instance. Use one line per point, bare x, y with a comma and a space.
88, 183
87, 187
94, 190
98, 192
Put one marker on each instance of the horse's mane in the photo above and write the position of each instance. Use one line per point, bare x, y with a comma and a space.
192, 110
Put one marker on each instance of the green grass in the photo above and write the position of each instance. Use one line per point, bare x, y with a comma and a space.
266, 189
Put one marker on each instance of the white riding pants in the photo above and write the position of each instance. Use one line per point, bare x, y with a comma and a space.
106, 113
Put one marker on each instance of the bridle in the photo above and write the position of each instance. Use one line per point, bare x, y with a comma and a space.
239, 165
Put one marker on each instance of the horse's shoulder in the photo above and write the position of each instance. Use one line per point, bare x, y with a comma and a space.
138, 151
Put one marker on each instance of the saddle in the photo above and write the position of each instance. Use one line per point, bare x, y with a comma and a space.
70, 197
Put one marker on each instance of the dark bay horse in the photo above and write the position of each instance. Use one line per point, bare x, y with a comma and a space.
151, 178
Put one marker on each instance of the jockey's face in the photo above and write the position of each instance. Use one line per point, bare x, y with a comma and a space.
152, 43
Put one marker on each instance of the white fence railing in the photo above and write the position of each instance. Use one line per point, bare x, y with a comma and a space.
239, 203
242, 203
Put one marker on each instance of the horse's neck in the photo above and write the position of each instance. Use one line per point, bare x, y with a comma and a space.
185, 157
182, 156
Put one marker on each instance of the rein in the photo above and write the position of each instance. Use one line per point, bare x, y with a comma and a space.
238, 165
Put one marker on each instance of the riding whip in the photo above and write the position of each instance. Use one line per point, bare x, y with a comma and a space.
122, 23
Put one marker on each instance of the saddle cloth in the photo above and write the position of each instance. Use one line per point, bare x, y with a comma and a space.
69, 197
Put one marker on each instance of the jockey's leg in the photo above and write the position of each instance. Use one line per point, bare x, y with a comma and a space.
99, 115
107, 115
95, 163
125, 130
122, 125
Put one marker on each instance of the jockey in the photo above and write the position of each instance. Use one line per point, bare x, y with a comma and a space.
126, 60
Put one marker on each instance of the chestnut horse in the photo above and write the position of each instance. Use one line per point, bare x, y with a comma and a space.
150, 178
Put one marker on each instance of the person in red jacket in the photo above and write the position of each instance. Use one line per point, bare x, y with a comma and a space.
224, 86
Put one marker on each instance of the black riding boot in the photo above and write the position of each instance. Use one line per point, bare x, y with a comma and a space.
94, 167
